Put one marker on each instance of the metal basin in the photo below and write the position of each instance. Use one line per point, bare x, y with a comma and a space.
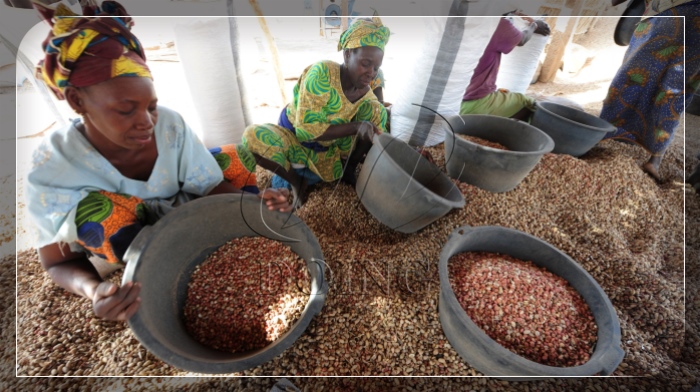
488, 168
574, 131
163, 257
484, 353
400, 188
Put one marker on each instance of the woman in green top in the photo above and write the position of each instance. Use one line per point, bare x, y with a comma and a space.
328, 127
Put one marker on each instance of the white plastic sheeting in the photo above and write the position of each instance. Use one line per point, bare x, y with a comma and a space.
451, 50
206, 52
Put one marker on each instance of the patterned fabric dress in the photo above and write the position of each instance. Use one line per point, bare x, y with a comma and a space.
649, 92
318, 102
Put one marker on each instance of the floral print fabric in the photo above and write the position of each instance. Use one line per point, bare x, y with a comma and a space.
649, 91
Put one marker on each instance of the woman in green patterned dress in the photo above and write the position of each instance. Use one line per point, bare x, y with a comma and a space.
328, 127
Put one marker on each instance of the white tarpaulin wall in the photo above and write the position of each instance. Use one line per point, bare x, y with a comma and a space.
208, 51
451, 50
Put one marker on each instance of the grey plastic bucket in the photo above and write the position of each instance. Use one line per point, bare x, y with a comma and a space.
489, 168
163, 256
574, 132
400, 188
484, 353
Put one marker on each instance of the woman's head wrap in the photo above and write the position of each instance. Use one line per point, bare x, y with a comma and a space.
82, 51
363, 32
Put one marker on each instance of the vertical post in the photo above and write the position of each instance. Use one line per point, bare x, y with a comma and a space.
273, 49
322, 20
557, 47
234, 36
344, 12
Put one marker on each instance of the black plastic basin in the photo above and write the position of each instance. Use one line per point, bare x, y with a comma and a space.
574, 131
400, 188
484, 353
163, 257
489, 168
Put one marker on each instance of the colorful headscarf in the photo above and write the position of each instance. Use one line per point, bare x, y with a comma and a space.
83, 51
364, 32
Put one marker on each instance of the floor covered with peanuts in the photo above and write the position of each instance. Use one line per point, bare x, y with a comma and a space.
637, 238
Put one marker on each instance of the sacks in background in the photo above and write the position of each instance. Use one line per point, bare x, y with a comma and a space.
450, 52
206, 52
519, 66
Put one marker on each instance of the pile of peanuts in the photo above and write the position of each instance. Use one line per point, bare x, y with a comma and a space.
246, 294
380, 317
524, 308
482, 142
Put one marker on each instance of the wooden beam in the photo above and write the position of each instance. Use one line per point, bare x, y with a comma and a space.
322, 21
557, 47
345, 13
273, 49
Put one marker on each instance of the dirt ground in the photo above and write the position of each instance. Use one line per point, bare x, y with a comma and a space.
586, 87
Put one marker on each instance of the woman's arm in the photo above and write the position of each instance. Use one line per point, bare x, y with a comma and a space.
75, 273
527, 34
70, 270
275, 199
341, 130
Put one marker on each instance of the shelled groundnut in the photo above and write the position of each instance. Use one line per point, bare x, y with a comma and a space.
246, 294
482, 142
524, 308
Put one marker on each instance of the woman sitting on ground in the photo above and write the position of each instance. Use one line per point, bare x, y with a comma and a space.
94, 184
482, 96
328, 127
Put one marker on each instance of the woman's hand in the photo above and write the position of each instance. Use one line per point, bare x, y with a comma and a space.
366, 131
276, 199
542, 28
115, 303
75, 273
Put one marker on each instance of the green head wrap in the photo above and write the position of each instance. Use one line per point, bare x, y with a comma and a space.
364, 32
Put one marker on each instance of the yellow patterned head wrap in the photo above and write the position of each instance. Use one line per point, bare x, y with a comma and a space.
364, 32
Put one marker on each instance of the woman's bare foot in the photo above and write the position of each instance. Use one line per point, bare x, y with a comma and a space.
651, 167
301, 193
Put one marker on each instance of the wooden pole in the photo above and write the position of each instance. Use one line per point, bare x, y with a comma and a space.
322, 20
273, 49
344, 18
556, 49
